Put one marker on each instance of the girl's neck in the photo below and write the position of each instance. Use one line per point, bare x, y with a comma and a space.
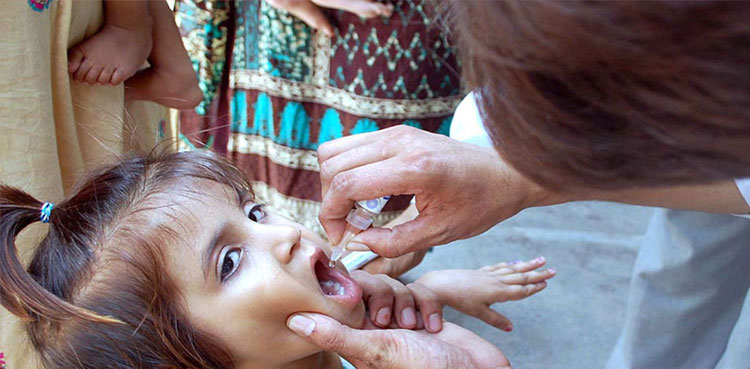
321, 360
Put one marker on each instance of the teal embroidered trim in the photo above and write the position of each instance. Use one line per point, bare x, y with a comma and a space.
39, 5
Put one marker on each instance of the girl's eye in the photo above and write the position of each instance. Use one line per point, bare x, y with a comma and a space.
229, 263
255, 212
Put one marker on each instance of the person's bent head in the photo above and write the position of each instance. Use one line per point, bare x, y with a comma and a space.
612, 94
166, 261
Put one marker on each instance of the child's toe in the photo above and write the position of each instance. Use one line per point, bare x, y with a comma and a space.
75, 57
93, 75
82, 71
118, 76
106, 75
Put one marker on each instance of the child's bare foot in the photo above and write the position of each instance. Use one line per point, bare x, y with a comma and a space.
118, 50
170, 81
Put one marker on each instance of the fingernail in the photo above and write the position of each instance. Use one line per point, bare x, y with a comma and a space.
508, 328
408, 317
301, 325
539, 259
356, 246
434, 322
552, 271
384, 316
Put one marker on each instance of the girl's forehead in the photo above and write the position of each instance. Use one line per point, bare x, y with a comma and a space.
220, 191
186, 211
203, 191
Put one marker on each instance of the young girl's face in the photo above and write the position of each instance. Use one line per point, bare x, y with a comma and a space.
244, 271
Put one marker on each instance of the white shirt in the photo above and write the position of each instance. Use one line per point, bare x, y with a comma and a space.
467, 127
744, 186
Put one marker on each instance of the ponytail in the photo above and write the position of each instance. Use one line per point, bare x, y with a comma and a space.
20, 293
97, 265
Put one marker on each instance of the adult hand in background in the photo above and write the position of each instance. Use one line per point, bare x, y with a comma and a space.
473, 292
453, 347
310, 12
461, 189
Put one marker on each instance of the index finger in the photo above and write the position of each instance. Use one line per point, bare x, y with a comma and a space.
361, 183
417, 234
340, 145
356, 157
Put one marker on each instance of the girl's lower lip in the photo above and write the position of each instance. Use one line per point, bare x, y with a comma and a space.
352, 291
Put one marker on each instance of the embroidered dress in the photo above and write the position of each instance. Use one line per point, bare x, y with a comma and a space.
275, 89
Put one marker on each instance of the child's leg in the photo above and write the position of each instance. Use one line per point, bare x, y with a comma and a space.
171, 80
116, 52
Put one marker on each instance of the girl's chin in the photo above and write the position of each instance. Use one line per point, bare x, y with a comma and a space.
353, 317
359, 316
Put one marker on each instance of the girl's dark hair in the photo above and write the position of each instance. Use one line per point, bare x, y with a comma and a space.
609, 94
96, 294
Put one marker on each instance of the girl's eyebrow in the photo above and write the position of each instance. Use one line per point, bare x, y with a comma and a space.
211, 248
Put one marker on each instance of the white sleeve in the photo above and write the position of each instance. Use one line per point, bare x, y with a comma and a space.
744, 186
467, 126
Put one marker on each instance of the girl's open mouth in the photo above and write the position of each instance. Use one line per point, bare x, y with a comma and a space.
334, 283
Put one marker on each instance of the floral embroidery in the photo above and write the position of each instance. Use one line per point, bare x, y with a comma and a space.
2, 362
39, 6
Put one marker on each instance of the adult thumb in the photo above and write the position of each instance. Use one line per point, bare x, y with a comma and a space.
417, 234
330, 335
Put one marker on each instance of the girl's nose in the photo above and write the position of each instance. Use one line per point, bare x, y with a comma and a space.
286, 241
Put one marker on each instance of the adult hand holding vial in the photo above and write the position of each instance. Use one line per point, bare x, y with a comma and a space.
357, 221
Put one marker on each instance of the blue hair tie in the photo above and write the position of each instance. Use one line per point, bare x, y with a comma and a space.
46, 212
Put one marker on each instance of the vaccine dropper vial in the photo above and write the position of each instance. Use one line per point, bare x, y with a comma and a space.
357, 221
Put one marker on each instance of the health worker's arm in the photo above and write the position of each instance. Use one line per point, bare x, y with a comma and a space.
720, 197
461, 189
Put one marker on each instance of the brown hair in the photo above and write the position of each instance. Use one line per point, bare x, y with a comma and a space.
612, 94
95, 294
